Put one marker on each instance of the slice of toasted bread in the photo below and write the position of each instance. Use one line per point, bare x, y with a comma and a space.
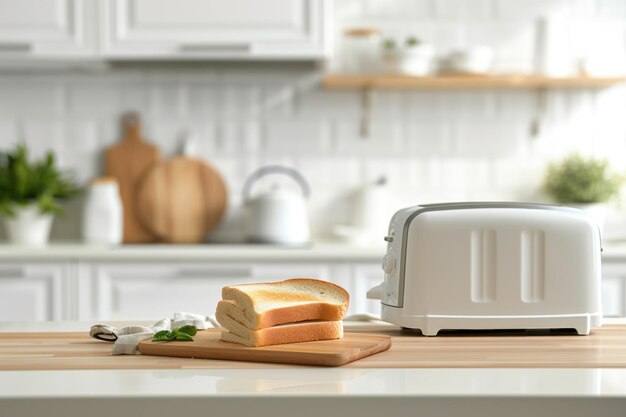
259, 306
287, 333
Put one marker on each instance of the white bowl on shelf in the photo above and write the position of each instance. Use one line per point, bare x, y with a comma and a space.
474, 60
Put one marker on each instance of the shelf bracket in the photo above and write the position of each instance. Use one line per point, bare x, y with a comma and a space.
540, 112
366, 112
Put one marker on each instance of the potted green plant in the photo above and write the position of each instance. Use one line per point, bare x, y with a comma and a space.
585, 183
410, 57
29, 195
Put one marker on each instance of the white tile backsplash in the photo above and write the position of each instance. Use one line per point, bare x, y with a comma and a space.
83, 136
394, 9
169, 100
21, 97
463, 9
297, 136
333, 105
8, 131
425, 139
531, 8
86, 99
610, 8
425, 106
468, 105
237, 137
516, 105
328, 173
493, 139
384, 138
431, 145
43, 135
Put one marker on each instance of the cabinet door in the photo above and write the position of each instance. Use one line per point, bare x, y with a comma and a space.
201, 29
364, 277
614, 289
45, 28
152, 291
33, 292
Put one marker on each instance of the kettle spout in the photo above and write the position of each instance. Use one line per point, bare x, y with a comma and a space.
377, 292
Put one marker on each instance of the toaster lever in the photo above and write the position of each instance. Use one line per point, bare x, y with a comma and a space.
388, 239
377, 292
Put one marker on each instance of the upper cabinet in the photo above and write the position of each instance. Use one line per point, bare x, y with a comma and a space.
30, 29
97, 30
215, 29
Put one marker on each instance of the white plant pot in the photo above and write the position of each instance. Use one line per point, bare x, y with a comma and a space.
597, 211
29, 226
416, 60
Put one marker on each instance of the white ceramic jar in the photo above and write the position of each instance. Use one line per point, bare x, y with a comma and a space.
360, 51
29, 226
103, 216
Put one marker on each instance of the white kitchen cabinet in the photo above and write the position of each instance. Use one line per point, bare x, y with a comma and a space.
363, 277
73, 30
31, 29
215, 29
150, 291
34, 291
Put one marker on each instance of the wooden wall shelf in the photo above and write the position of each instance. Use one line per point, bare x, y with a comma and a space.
451, 82
541, 84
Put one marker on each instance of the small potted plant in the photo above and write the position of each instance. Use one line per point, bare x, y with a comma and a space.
585, 183
410, 57
29, 194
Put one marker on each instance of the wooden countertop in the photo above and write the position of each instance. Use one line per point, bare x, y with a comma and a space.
604, 348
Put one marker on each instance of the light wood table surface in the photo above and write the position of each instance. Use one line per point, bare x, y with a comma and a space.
604, 348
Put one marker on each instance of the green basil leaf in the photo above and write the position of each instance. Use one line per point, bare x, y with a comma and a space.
163, 336
190, 330
184, 337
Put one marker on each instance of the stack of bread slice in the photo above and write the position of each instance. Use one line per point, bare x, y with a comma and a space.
295, 310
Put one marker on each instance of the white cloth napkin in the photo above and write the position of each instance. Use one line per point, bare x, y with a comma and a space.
126, 339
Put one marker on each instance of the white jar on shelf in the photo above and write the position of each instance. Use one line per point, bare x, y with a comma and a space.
360, 51
103, 216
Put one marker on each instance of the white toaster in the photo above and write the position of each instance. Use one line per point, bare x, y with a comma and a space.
491, 266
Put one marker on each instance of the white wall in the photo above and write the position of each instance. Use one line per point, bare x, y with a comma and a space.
433, 146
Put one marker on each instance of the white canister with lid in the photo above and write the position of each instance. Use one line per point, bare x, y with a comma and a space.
360, 50
103, 221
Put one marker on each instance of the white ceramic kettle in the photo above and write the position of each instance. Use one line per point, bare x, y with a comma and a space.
277, 216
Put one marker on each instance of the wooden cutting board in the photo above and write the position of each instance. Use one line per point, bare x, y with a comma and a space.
128, 162
181, 200
206, 345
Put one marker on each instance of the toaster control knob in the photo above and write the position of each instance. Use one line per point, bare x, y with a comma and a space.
389, 263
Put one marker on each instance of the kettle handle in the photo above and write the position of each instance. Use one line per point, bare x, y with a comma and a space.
275, 169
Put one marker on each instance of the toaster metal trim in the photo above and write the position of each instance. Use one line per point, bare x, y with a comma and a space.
424, 208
